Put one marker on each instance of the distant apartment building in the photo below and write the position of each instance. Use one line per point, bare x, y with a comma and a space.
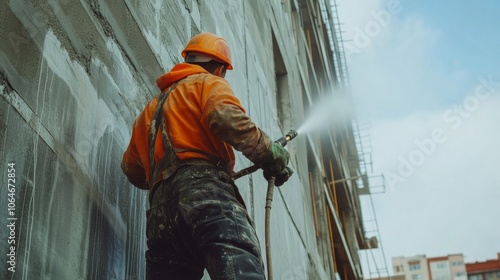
412, 268
394, 277
451, 267
420, 267
487, 270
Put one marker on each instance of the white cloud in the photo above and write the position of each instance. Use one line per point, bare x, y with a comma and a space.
356, 13
399, 68
425, 112
398, 72
449, 204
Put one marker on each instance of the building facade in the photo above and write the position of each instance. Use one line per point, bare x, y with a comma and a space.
394, 277
411, 267
75, 74
449, 267
487, 270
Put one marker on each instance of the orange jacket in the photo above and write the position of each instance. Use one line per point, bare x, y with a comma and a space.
201, 113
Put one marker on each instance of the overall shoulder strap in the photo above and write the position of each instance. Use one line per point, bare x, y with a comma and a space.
170, 156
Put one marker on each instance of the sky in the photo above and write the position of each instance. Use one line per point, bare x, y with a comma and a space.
426, 78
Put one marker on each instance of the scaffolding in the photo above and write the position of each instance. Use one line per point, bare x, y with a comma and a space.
373, 259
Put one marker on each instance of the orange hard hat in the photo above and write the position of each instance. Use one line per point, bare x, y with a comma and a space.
211, 45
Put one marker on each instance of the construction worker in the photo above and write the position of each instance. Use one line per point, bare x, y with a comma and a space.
181, 150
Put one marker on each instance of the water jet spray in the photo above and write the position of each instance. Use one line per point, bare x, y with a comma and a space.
331, 110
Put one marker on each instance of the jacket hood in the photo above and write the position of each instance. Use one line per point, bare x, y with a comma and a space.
179, 72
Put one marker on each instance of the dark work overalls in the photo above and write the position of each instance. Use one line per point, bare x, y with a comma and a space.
197, 219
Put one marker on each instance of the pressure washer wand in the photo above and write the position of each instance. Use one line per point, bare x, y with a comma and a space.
269, 200
283, 141
288, 137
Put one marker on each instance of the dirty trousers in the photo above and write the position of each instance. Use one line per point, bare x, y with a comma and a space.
196, 222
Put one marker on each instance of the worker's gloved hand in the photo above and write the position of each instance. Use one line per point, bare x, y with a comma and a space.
275, 164
280, 177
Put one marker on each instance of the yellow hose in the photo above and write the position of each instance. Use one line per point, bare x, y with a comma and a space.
269, 201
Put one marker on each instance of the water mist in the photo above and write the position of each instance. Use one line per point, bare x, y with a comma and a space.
328, 111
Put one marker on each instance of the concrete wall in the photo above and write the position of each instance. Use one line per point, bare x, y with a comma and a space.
73, 77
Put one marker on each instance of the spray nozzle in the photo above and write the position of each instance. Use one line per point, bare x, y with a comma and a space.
287, 138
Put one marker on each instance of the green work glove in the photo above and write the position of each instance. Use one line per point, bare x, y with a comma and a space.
280, 177
275, 164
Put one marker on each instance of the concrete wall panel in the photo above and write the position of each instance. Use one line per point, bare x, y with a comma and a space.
73, 77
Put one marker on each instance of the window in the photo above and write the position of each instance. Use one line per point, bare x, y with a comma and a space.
441, 265
399, 268
282, 88
416, 276
475, 277
458, 274
415, 266
457, 263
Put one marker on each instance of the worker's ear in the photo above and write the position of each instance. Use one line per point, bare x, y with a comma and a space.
221, 71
